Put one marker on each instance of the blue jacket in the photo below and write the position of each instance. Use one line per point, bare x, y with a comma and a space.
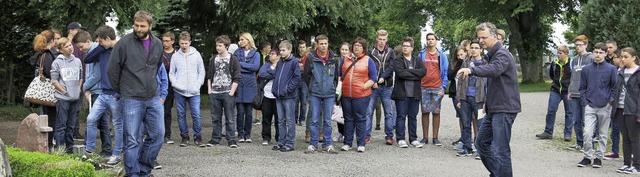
101, 55
249, 65
287, 79
163, 82
598, 84
322, 78
502, 95
444, 66
92, 75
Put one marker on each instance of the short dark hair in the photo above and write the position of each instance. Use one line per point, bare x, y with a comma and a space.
185, 36
601, 46
300, 42
360, 41
490, 26
56, 31
322, 37
432, 34
170, 35
612, 42
224, 39
265, 44
408, 39
105, 32
82, 36
144, 16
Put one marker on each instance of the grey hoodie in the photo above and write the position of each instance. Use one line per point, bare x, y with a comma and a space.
186, 72
67, 72
577, 63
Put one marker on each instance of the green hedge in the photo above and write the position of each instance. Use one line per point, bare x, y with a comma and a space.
38, 164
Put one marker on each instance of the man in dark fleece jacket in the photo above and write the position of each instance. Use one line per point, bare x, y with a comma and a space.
132, 71
502, 105
597, 88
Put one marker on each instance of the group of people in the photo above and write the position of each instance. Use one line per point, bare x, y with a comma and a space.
599, 90
137, 79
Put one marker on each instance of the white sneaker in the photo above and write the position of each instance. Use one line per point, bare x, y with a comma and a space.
336, 137
622, 169
265, 143
631, 170
345, 148
402, 144
417, 144
113, 160
248, 140
360, 148
241, 140
310, 149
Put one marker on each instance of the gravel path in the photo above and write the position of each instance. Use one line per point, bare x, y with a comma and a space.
531, 157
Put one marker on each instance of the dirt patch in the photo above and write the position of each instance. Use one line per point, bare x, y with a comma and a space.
9, 131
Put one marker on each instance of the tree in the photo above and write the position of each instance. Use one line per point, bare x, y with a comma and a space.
618, 21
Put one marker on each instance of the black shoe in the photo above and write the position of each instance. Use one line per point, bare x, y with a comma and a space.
584, 162
378, 127
597, 163
276, 148
286, 149
424, 141
184, 142
567, 138
157, 166
544, 136
212, 143
198, 142
233, 144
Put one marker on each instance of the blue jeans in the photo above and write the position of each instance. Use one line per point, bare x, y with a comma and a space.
384, 93
493, 143
194, 107
469, 108
244, 120
326, 106
222, 102
66, 121
407, 107
615, 136
286, 121
139, 157
554, 100
578, 119
103, 104
301, 102
355, 119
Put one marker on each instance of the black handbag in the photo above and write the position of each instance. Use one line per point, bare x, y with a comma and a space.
257, 100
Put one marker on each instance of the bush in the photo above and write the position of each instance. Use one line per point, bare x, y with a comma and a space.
25, 163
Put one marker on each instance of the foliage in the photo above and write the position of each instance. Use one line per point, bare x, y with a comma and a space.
25, 163
619, 22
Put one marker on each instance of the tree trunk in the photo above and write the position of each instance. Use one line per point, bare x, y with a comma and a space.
526, 37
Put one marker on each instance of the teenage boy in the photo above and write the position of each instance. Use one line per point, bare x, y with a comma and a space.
187, 75
303, 95
433, 85
66, 78
582, 59
471, 96
222, 81
560, 74
285, 89
320, 73
91, 88
597, 88
168, 39
382, 56
106, 101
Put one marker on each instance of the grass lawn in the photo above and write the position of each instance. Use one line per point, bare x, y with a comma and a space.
536, 87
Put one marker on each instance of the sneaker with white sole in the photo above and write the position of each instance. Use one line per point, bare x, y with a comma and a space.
157, 166
241, 140
310, 150
463, 153
330, 150
478, 157
265, 143
360, 149
248, 140
622, 169
417, 144
458, 146
402, 144
631, 170
345, 148
113, 160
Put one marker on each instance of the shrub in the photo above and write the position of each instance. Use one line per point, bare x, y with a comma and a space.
25, 163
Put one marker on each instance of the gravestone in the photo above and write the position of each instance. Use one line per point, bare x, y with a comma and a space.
5, 169
33, 133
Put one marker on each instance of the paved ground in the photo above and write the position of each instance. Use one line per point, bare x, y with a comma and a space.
531, 157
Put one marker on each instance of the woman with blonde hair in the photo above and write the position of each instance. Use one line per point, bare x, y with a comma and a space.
249, 59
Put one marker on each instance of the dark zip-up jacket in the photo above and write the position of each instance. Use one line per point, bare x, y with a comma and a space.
384, 64
598, 84
503, 95
560, 74
463, 84
49, 56
451, 75
132, 72
287, 79
616, 97
632, 96
320, 77
404, 75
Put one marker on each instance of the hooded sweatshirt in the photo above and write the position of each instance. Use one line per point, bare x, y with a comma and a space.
67, 72
186, 72
577, 63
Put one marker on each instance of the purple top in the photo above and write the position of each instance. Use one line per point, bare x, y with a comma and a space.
146, 43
